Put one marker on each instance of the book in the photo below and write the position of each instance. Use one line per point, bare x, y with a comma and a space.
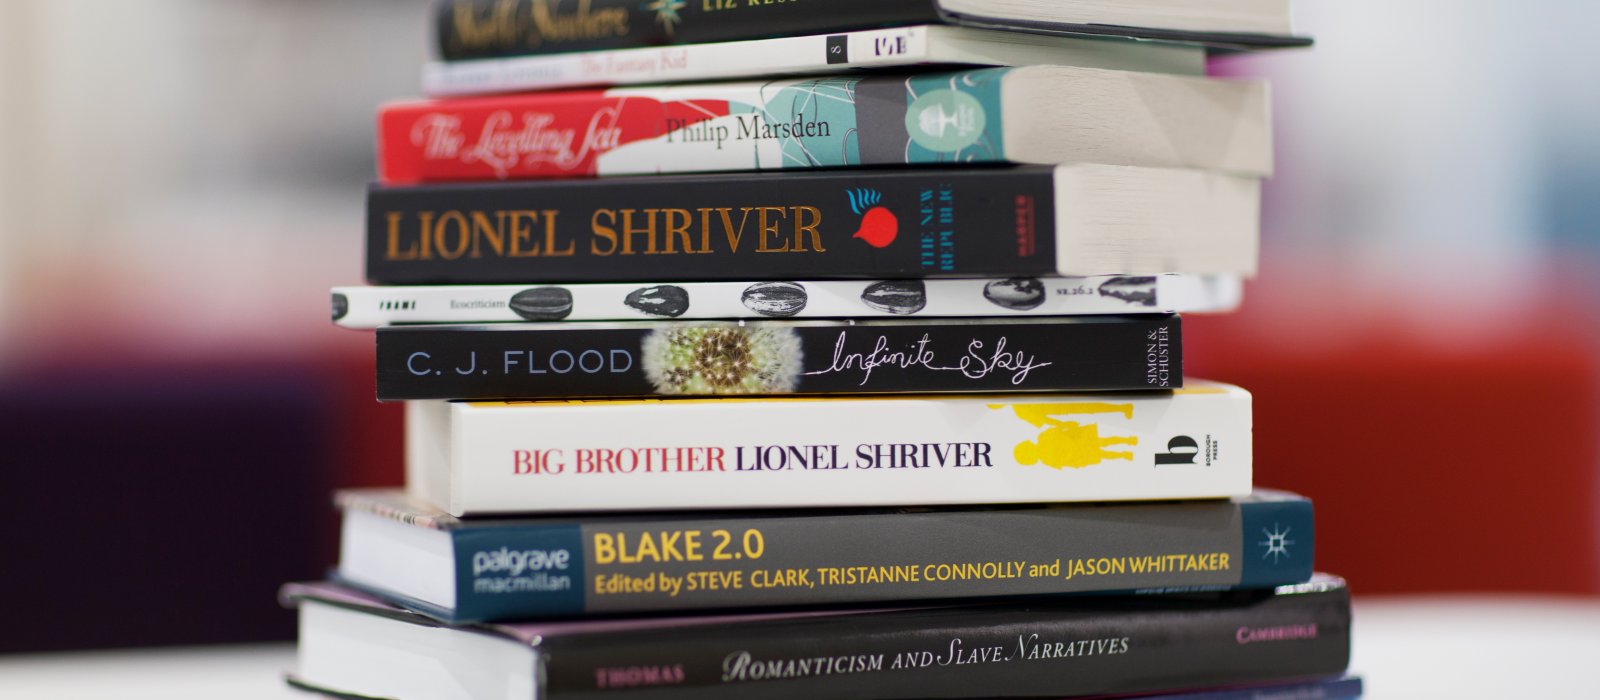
485, 458
1329, 688
901, 47
355, 645
771, 358
529, 568
1038, 114
484, 28
374, 307
1021, 221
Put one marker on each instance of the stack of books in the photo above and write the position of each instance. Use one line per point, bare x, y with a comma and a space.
852, 429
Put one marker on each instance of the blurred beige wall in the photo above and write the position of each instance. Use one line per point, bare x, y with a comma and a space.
189, 170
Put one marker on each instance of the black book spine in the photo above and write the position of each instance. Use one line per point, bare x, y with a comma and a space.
470, 29
970, 222
779, 357
1049, 649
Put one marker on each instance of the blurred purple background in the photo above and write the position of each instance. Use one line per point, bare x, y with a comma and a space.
181, 181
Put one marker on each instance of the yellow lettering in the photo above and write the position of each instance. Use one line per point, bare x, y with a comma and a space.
550, 249
442, 229
767, 227
802, 227
483, 229
606, 232
393, 252
605, 549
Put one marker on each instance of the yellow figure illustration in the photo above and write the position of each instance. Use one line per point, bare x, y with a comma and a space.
1064, 443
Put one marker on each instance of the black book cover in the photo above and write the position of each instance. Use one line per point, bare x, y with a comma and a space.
471, 29
1047, 648
1042, 647
705, 358
968, 222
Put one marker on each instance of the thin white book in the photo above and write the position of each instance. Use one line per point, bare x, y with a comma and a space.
560, 456
822, 53
374, 307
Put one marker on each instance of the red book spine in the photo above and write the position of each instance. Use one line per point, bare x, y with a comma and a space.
509, 137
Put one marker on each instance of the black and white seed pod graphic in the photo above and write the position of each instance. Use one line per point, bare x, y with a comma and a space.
542, 303
898, 297
341, 305
774, 298
661, 301
1139, 291
1016, 293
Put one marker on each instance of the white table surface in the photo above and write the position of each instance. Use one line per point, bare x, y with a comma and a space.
1405, 647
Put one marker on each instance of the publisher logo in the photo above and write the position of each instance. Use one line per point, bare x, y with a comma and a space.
1180, 450
945, 121
838, 49
878, 225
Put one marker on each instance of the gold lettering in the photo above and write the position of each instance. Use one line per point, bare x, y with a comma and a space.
442, 229
426, 234
393, 252
678, 228
520, 232
584, 23
801, 227
483, 229
629, 230
606, 232
765, 229
550, 249
728, 230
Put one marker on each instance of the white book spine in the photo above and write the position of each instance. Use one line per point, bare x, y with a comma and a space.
372, 307
821, 53
755, 453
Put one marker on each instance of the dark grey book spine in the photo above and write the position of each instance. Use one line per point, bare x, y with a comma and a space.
843, 224
1066, 647
775, 358
469, 29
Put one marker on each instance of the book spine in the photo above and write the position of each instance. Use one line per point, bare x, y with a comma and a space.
469, 29
373, 307
516, 572
794, 123
821, 53
1082, 647
840, 452
709, 358
833, 224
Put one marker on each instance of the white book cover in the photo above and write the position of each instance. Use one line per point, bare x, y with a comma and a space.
373, 307
559, 456
822, 53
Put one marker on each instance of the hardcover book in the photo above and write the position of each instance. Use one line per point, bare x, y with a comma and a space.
355, 646
901, 47
1039, 114
1025, 221
510, 569
708, 358
682, 454
373, 307
482, 28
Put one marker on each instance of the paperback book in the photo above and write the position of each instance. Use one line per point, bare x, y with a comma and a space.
511, 569
1025, 221
355, 645
471, 458
901, 47
486, 28
709, 358
374, 307
1038, 114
